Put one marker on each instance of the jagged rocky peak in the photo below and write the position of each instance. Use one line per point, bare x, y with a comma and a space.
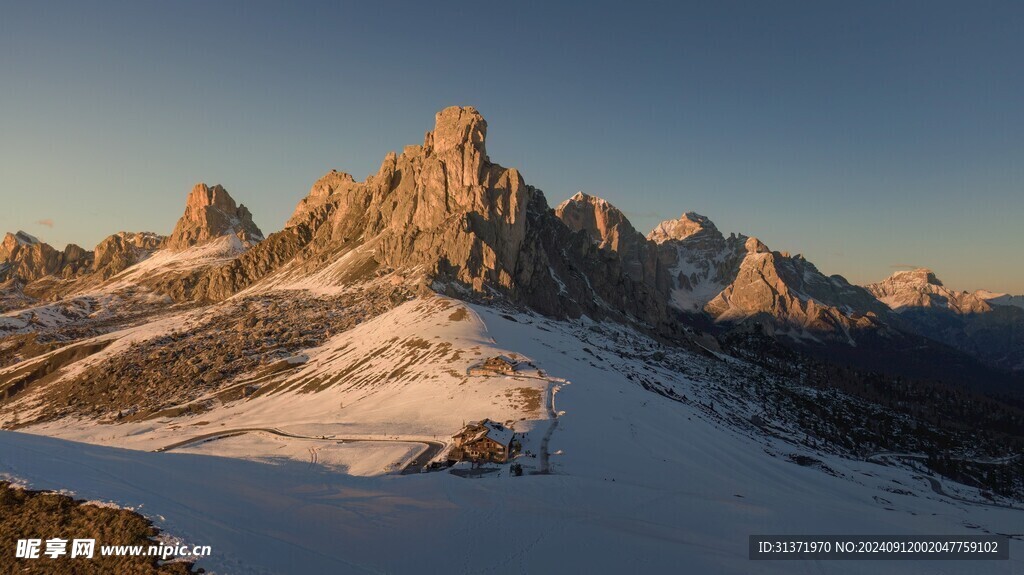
27, 258
74, 254
119, 251
736, 278
688, 224
459, 128
15, 243
443, 203
699, 259
442, 216
457, 144
19, 238
605, 223
756, 246
794, 294
315, 207
441, 206
210, 212
330, 183
609, 229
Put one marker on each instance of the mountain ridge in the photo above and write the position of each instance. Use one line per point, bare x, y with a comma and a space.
442, 217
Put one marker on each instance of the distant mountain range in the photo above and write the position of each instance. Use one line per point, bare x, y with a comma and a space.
725, 283
986, 325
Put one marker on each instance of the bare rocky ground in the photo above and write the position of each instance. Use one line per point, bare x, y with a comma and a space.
18, 348
166, 375
46, 515
83, 317
12, 297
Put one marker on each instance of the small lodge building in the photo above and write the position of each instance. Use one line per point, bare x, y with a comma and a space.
484, 441
497, 365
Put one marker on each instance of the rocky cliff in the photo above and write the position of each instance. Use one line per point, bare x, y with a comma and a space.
700, 261
610, 230
210, 212
25, 258
444, 213
122, 250
795, 296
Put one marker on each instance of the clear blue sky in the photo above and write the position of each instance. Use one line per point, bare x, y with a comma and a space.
865, 135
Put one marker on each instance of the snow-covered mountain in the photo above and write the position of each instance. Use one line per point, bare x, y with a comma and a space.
920, 288
733, 280
701, 261
637, 479
738, 278
288, 382
726, 283
437, 218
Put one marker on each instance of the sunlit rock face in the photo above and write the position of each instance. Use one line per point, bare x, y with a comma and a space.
210, 212
24, 257
444, 212
122, 250
738, 278
609, 228
985, 325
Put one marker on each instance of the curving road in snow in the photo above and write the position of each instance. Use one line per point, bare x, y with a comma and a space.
417, 462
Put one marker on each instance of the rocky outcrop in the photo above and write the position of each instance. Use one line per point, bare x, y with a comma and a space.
610, 230
24, 257
699, 260
795, 296
27, 258
443, 212
122, 250
689, 224
210, 212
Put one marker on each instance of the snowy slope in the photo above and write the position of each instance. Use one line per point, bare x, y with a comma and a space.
401, 375
124, 297
52, 314
640, 483
218, 251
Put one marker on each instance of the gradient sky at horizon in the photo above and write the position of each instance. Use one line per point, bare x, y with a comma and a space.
869, 136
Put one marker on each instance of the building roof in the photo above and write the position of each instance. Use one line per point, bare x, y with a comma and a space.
490, 429
499, 432
504, 359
